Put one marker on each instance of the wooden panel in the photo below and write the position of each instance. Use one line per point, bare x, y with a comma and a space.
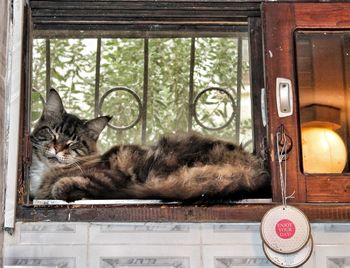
278, 28
257, 83
328, 188
167, 213
119, 12
322, 15
280, 62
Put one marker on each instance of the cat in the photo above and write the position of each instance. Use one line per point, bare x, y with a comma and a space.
60, 139
179, 167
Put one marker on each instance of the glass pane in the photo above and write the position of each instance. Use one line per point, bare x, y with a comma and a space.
323, 69
151, 86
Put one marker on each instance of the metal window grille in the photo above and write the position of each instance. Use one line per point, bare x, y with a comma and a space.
141, 99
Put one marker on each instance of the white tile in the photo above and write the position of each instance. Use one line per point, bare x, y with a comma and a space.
331, 233
53, 233
144, 256
332, 256
246, 256
145, 233
231, 233
228, 256
55, 256
13, 239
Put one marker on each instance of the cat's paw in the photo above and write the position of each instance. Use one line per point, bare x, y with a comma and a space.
69, 189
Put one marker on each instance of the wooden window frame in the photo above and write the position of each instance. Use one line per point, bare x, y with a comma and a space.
171, 13
280, 61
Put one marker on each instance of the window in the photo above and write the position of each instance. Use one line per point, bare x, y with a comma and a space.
323, 116
152, 85
146, 36
297, 37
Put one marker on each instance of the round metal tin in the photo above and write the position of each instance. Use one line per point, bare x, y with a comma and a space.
291, 260
285, 229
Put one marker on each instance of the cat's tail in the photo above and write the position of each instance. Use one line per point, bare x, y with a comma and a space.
205, 182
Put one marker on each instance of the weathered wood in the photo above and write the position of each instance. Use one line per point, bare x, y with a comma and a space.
142, 5
257, 83
328, 188
171, 213
119, 12
163, 31
279, 59
278, 63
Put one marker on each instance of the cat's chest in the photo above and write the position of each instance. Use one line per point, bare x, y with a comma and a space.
37, 170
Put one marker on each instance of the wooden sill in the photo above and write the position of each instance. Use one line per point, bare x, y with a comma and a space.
240, 212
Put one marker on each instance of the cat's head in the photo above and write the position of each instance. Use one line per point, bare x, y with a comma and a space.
61, 138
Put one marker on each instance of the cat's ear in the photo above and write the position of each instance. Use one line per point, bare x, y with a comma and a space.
96, 125
53, 105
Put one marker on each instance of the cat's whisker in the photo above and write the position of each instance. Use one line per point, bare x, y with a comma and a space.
77, 165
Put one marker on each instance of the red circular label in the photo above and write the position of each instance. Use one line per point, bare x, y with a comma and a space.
285, 229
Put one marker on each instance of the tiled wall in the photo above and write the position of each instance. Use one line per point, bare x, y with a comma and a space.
160, 245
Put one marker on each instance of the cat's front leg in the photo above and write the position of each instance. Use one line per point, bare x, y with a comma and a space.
45, 188
70, 188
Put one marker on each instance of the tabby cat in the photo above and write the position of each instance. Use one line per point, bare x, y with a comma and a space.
180, 167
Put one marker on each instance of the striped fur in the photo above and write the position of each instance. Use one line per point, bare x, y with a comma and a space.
182, 167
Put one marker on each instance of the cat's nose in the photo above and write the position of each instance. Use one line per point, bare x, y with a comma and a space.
58, 148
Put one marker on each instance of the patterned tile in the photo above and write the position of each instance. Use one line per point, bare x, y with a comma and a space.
336, 256
331, 233
48, 255
154, 262
53, 233
231, 233
338, 262
229, 256
233, 256
241, 261
144, 233
41, 262
138, 256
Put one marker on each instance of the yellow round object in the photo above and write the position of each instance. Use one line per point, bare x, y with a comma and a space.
323, 151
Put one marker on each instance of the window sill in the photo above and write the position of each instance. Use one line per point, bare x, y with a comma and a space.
239, 212
38, 202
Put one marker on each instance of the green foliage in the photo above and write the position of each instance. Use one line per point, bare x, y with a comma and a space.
73, 71
168, 86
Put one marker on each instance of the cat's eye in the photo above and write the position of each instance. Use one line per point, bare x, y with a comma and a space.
44, 134
78, 149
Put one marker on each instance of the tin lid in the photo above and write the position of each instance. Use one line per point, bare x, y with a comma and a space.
291, 260
285, 229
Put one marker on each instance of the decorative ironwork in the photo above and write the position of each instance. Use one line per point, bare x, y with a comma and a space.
132, 93
195, 102
142, 102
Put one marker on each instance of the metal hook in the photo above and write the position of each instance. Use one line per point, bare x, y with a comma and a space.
284, 142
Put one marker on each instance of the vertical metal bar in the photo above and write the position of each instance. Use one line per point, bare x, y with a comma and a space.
145, 90
48, 65
239, 86
191, 89
97, 76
